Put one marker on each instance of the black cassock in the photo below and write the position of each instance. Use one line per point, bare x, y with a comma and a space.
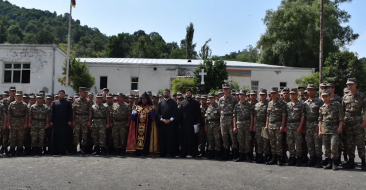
190, 115
167, 132
61, 113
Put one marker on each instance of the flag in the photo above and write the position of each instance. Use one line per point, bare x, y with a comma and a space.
73, 3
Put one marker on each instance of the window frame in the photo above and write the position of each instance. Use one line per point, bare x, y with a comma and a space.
282, 87
12, 69
251, 85
100, 82
137, 83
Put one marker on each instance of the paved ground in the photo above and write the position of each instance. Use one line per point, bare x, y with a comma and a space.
74, 172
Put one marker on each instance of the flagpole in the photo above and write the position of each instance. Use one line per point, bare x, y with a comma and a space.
68, 52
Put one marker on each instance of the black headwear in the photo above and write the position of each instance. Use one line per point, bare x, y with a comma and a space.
145, 95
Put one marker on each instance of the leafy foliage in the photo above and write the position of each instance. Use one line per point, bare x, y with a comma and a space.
182, 84
234, 85
308, 79
249, 54
216, 73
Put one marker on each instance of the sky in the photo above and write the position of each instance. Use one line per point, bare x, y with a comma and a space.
232, 25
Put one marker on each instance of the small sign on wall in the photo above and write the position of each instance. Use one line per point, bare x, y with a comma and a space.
239, 73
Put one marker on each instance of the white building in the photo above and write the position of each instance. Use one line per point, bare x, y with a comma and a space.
32, 68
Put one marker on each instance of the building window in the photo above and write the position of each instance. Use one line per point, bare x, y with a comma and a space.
103, 82
283, 85
134, 83
255, 85
16, 73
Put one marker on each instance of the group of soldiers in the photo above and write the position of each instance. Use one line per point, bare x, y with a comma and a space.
236, 124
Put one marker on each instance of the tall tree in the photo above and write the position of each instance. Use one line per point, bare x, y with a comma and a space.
189, 41
292, 34
4, 24
205, 52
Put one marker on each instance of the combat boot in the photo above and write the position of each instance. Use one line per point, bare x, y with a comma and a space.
117, 152
345, 157
27, 151
325, 162
20, 151
202, 154
350, 164
330, 164
291, 161
305, 159
311, 162
298, 161
11, 152
279, 160
211, 155
82, 150
250, 156
273, 161
226, 155
39, 151
218, 155
266, 158
319, 162
363, 164
241, 158
103, 151
34, 151
6, 152
96, 150
334, 166
235, 154
123, 152
259, 158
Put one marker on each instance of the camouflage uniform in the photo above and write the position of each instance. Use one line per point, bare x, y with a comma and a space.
213, 132
275, 112
100, 115
17, 112
226, 106
27, 132
353, 105
6, 132
260, 115
294, 114
330, 116
38, 113
109, 138
81, 107
120, 114
2, 115
202, 136
242, 112
313, 141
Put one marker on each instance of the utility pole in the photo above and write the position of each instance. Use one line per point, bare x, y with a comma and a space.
321, 42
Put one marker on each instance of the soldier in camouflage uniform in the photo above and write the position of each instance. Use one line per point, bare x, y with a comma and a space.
353, 104
226, 105
253, 145
82, 116
331, 122
100, 122
109, 138
121, 114
18, 115
2, 115
38, 121
48, 130
259, 123
27, 131
242, 126
213, 128
313, 141
202, 135
295, 121
5, 129
276, 121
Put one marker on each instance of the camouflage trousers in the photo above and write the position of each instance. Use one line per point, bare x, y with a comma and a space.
263, 145
227, 132
5, 137
355, 137
81, 127
214, 136
16, 132
120, 134
109, 137
37, 133
313, 141
202, 137
98, 133
244, 137
27, 137
1, 135
294, 141
331, 143
342, 141
275, 139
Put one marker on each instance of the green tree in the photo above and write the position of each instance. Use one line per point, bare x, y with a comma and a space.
292, 34
189, 41
15, 32
234, 85
216, 73
308, 79
79, 75
205, 52
4, 24
44, 37
182, 84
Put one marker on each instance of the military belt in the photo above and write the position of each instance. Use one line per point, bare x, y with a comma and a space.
17, 116
330, 123
352, 114
228, 114
99, 118
81, 113
119, 119
214, 120
39, 119
312, 120
276, 121
243, 121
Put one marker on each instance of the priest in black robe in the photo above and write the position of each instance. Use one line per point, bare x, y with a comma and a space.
190, 116
61, 120
167, 118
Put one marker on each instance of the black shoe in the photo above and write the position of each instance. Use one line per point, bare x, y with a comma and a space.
311, 162
350, 164
319, 162
259, 158
305, 159
273, 161
329, 165
123, 152
298, 161
218, 155
266, 158
34, 151
27, 151
202, 154
226, 155
12, 152
182, 156
235, 155
325, 162
363, 164
96, 150
241, 158
334, 166
291, 161
279, 160
82, 150
20, 151
211, 155
39, 151
345, 157
250, 156
117, 152
103, 151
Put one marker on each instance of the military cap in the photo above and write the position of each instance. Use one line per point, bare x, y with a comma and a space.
32, 96
114, 95
105, 89
130, 96
77, 95
120, 94
322, 85
237, 93
42, 92
262, 91
198, 96
346, 90
179, 93
329, 85
247, 94
325, 93
273, 89
311, 86
19, 93
48, 97
56, 95
211, 95
99, 95
12, 88
220, 91
305, 91
90, 94
301, 87
154, 95
82, 89
351, 81
25, 95
293, 91
39, 95
6, 92
149, 93
109, 95
70, 98
242, 92
253, 92
175, 94
127, 95
203, 97
136, 97
225, 85
286, 89
233, 91
180, 97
